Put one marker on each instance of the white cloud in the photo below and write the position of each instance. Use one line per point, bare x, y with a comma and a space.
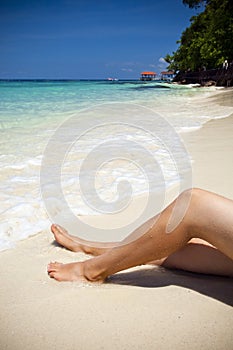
127, 69
130, 64
162, 60
162, 63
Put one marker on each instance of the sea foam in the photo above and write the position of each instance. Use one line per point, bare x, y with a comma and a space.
30, 114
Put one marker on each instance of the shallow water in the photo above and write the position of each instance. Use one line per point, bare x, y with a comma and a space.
108, 141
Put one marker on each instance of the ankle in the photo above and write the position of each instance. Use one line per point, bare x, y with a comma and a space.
92, 272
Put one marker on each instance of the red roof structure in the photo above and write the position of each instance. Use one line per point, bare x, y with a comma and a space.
148, 73
147, 76
167, 72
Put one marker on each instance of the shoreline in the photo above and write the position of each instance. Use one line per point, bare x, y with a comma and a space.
211, 148
212, 170
144, 307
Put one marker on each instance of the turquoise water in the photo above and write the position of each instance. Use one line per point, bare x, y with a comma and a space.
99, 113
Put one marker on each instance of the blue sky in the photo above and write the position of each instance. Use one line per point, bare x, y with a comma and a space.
86, 39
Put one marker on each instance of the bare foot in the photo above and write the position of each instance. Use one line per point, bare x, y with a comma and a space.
66, 240
66, 272
77, 244
73, 272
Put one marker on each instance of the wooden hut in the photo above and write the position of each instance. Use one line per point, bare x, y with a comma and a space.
168, 75
148, 76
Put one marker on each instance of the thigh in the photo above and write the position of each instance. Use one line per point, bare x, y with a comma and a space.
201, 257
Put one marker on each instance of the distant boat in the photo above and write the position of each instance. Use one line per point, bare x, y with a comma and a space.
112, 79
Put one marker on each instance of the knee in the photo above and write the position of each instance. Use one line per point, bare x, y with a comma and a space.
197, 196
190, 200
185, 207
192, 194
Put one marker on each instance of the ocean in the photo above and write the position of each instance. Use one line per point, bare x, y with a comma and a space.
87, 147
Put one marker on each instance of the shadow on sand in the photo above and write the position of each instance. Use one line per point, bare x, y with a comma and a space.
216, 287
220, 288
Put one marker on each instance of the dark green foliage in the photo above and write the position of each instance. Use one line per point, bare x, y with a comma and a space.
194, 3
209, 39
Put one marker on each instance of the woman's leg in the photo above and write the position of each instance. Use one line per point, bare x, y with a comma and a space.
76, 244
209, 217
197, 256
200, 258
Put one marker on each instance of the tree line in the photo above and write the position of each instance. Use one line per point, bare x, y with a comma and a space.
208, 41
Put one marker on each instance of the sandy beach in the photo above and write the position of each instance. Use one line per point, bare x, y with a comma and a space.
142, 308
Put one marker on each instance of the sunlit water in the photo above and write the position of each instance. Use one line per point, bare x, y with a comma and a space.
30, 112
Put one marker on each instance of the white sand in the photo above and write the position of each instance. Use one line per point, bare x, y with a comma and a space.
142, 308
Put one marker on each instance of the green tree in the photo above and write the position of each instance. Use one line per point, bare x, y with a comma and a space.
208, 40
194, 3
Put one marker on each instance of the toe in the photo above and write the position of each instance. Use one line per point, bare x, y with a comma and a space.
49, 268
53, 266
55, 275
53, 228
52, 275
61, 229
57, 229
